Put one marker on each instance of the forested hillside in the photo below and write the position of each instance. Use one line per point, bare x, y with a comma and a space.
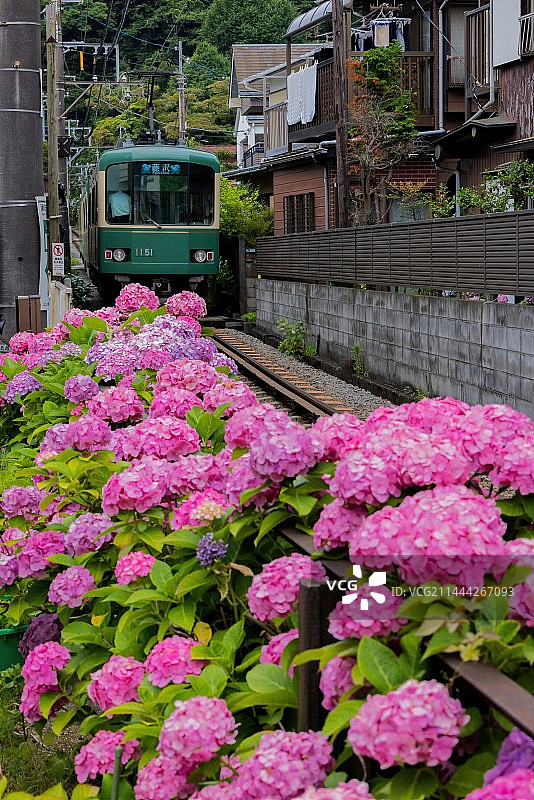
148, 32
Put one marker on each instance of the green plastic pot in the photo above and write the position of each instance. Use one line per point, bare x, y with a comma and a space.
9, 647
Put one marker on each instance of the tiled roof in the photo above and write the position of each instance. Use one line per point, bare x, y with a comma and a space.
249, 59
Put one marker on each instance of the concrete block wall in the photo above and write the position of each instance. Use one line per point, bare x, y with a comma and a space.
477, 352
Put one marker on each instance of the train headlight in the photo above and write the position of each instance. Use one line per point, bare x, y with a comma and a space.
119, 254
201, 256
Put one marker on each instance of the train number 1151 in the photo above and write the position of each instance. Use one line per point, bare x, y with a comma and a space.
144, 251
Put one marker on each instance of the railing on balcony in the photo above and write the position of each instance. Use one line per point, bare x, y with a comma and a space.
527, 35
455, 72
478, 49
253, 155
324, 102
417, 70
276, 140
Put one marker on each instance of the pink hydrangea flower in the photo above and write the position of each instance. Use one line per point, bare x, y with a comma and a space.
283, 451
417, 723
522, 602
173, 402
339, 433
109, 314
196, 729
133, 566
353, 790
274, 591
141, 486
514, 465
117, 404
272, 652
116, 682
86, 534
195, 376
336, 679
22, 501
70, 587
90, 432
459, 537
170, 661
217, 791
486, 431
98, 756
154, 359
9, 571
284, 764
197, 472
162, 779
162, 437
32, 560
337, 524
519, 785
20, 342
200, 508
244, 477
187, 304
245, 424
350, 621
235, 392
40, 676
133, 296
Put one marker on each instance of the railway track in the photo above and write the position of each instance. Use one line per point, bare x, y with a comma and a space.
286, 384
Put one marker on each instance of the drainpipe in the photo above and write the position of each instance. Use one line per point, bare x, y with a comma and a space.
458, 174
441, 74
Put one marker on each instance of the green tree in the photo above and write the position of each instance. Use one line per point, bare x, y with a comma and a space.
242, 212
246, 21
206, 65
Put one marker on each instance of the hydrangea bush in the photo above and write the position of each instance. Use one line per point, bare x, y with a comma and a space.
140, 543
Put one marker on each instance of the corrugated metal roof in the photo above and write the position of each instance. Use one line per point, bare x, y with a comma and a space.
314, 17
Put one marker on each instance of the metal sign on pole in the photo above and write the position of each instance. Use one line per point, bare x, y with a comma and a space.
58, 260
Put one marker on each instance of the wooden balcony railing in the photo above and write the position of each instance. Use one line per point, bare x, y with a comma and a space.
276, 134
478, 49
417, 70
253, 155
455, 72
526, 47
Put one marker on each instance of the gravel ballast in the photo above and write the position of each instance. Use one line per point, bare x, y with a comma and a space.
361, 401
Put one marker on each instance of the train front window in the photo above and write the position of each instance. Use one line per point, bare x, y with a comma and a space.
167, 193
118, 194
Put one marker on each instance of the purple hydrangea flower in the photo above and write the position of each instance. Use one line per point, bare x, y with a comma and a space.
209, 550
517, 752
80, 388
42, 629
21, 385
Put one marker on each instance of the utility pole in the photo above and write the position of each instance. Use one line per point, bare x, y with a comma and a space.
340, 105
21, 153
181, 96
52, 34
63, 173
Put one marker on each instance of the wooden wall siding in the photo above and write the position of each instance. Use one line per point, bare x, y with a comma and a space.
491, 253
516, 96
298, 181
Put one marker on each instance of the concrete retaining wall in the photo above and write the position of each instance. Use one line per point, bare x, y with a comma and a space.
474, 351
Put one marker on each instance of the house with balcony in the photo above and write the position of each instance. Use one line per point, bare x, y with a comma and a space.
467, 64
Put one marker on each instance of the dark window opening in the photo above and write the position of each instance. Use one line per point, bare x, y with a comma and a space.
299, 213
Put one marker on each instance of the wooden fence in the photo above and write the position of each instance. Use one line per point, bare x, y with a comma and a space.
488, 253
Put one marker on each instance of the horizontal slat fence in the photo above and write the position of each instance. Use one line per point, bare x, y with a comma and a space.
488, 253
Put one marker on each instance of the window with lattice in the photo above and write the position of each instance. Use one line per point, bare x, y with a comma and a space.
299, 212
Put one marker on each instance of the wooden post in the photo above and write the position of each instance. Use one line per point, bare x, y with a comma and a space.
340, 105
52, 28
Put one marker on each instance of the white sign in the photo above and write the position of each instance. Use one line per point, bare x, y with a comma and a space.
58, 260
43, 277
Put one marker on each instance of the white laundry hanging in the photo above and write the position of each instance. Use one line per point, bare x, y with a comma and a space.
293, 98
301, 93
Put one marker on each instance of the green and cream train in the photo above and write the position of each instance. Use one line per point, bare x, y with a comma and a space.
150, 213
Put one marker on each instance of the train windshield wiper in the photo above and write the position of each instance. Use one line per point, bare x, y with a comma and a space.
153, 221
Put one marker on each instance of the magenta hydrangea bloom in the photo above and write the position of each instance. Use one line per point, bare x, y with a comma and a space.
336, 679
173, 402
459, 537
80, 388
272, 652
187, 304
22, 501
195, 376
170, 661
197, 472
54, 440
116, 682
200, 508
284, 764
98, 756
20, 342
40, 676
353, 790
519, 785
32, 560
117, 404
339, 433
245, 424
89, 433
22, 384
236, 393
86, 534
141, 486
418, 723
274, 591
133, 296
336, 525
217, 791
244, 477
70, 587
514, 465
154, 359
283, 451
350, 621
133, 566
522, 602
162, 779
196, 729
162, 437
9, 570
485, 432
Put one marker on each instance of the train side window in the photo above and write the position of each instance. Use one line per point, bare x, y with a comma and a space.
118, 194
201, 195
